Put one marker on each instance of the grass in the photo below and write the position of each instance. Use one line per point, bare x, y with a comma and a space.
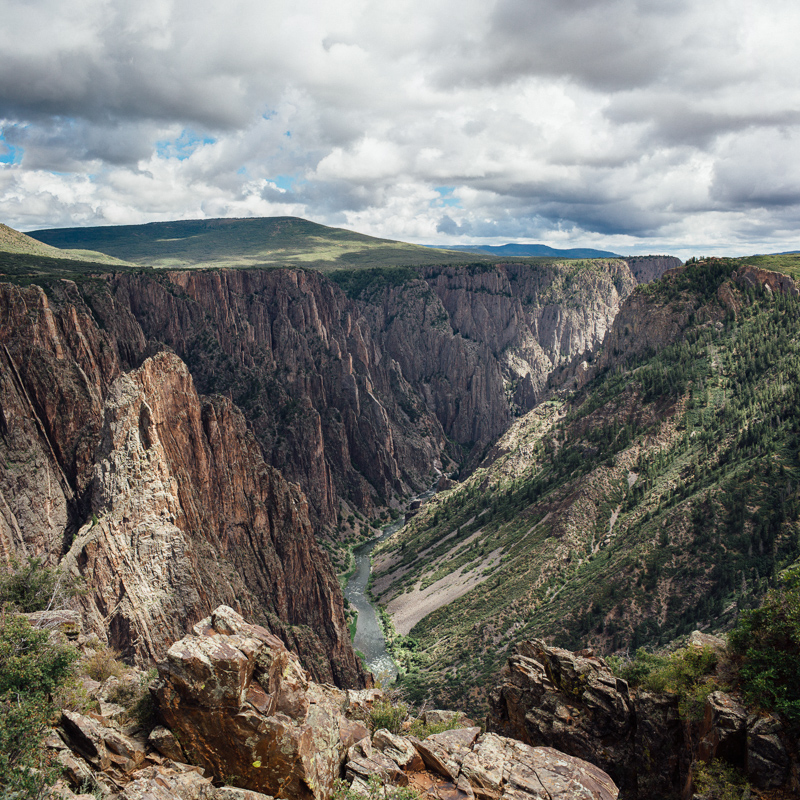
254, 242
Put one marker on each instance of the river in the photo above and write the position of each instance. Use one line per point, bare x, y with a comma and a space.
369, 636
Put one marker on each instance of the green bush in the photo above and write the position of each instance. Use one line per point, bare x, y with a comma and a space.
687, 673
718, 780
419, 729
386, 715
33, 586
32, 669
29, 662
767, 641
377, 790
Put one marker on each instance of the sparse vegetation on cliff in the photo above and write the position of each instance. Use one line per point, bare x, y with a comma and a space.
664, 499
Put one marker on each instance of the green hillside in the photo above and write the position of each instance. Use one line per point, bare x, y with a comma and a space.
266, 241
662, 497
14, 242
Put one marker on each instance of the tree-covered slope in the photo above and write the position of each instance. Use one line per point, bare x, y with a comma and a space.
661, 497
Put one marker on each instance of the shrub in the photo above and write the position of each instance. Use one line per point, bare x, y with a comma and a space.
136, 699
386, 715
32, 669
104, 663
419, 729
767, 641
377, 790
687, 673
33, 586
718, 781
29, 662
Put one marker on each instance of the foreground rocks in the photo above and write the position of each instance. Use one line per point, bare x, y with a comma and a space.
461, 763
243, 721
572, 701
241, 705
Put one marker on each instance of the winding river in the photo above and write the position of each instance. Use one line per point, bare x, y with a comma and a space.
369, 636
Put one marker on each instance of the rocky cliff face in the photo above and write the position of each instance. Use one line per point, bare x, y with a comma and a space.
354, 397
330, 410
573, 702
651, 268
178, 511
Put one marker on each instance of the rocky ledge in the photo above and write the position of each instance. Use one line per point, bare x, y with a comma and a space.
573, 702
241, 720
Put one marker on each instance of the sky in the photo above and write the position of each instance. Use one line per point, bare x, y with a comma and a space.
638, 126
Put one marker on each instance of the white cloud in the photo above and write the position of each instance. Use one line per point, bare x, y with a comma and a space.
629, 124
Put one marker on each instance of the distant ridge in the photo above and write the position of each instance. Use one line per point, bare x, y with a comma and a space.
532, 251
12, 241
246, 242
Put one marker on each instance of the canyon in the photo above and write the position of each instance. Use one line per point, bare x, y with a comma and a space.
182, 441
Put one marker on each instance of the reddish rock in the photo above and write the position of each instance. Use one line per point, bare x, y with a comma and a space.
295, 745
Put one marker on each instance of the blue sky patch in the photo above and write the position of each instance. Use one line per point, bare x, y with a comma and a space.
8, 153
183, 146
446, 197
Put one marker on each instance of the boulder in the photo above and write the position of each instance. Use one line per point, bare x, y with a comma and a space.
165, 742
242, 705
399, 749
767, 762
723, 730
461, 764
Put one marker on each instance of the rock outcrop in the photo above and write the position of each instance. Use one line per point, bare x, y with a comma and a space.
185, 515
572, 701
158, 498
243, 721
241, 705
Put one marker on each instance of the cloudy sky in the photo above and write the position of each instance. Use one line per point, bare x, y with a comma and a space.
631, 125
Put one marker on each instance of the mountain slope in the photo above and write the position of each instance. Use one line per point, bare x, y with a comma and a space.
662, 497
258, 241
14, 242
533, 251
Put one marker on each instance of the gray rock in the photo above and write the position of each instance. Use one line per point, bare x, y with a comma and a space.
767, 762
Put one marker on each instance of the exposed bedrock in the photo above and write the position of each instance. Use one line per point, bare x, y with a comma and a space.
160, 498
573, 702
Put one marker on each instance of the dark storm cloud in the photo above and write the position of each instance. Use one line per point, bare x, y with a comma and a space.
607, 45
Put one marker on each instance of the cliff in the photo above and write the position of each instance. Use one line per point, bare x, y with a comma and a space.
360, 396
354, 395
158, 498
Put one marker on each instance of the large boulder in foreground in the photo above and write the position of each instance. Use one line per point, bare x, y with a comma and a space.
243, 708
